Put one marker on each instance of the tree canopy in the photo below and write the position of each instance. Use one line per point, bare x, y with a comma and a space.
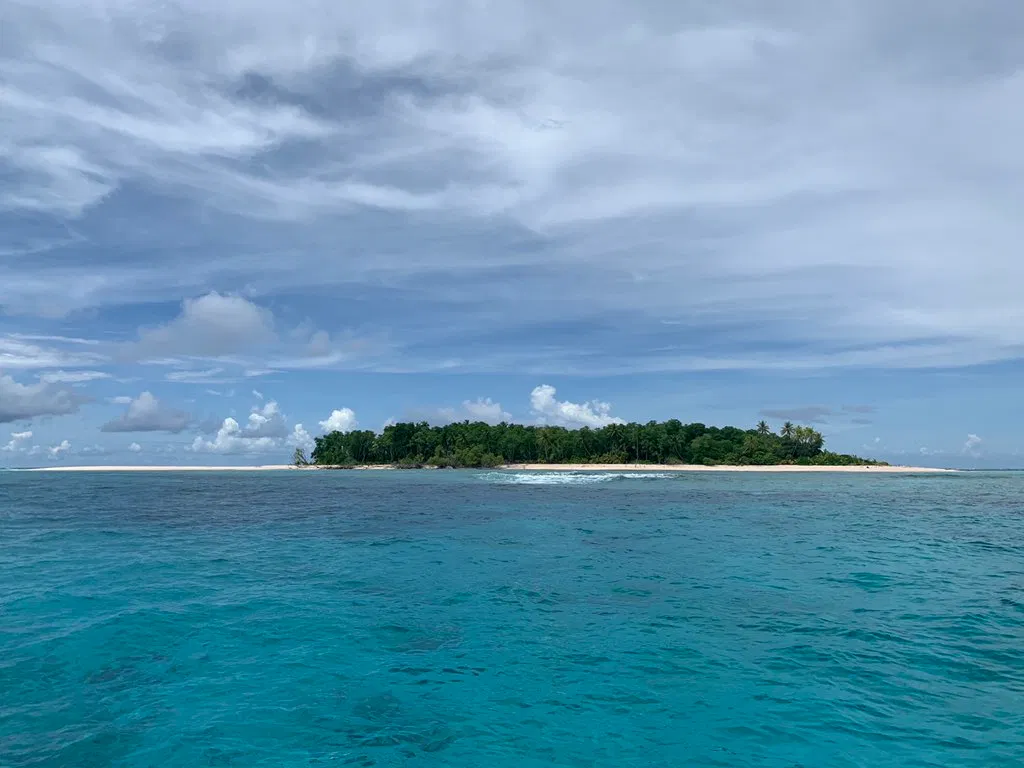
477, 444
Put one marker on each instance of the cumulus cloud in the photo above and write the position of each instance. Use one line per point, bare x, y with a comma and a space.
135, 448
209, 326
481, 409
300, 438
340, 420
548, 410
147, 414
265, 429
18, 439
56, 451
972, 446
231, 439
266, 421
26, 401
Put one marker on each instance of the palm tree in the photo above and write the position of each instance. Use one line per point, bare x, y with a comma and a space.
763, 428
788, 429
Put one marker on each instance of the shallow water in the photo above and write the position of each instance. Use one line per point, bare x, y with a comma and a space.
452, 618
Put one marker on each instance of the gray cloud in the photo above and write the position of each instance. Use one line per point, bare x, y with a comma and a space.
209, 326
859, 408
147, 414
810, 414
26, 401
733, 168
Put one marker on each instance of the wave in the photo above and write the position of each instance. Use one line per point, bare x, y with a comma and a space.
569, 478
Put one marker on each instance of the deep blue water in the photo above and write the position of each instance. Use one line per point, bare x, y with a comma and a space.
467, 619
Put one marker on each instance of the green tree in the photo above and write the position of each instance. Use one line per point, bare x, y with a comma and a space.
763, 428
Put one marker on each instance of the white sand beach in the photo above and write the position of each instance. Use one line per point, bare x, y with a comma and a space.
790, 468
724, 468
158, 468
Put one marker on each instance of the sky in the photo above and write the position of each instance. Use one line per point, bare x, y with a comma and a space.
228, 227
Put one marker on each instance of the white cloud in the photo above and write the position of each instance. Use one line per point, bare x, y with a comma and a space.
230, 439
758, 195
16, 441
300, 438
972, 445
17, 354
147, 414
485, 409
340, 420
56, 451
267, 421
192, 376
257, 394
121, 400
212, 325
26, 401
135, 448
72, 377
566, 414
481, 409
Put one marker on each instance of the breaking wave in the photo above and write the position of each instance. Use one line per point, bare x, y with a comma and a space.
569, 478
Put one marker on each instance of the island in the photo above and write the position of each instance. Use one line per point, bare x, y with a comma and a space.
663, 444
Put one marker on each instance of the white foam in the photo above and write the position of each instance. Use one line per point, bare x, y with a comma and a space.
569, 478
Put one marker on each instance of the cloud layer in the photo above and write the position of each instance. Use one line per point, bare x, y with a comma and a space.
147, 414
724, 187
27, 401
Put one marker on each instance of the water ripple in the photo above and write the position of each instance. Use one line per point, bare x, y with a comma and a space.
449, 619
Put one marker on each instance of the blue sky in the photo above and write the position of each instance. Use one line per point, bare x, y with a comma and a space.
221, 221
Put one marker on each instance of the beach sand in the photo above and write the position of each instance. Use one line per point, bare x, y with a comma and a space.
525, 467
860, 468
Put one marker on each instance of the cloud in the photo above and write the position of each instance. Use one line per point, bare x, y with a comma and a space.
231, 439
72, 377
135, 448
266, 421
340, 420
811, 414
56, 451
859, 408
206, 376
972, 446
121, 400
16, 353
257, 394
212, 325
16, 441
289, 150
27, 401
481, 409
300, 438
548, 410
147, 414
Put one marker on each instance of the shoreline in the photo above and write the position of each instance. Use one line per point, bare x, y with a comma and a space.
773, 468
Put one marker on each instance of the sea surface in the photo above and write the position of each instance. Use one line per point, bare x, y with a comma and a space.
511, 619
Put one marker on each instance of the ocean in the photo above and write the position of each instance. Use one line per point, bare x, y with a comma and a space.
460, 618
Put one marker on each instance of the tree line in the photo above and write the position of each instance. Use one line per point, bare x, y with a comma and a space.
478, 444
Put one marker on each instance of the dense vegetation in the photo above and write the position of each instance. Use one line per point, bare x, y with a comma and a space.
476, 444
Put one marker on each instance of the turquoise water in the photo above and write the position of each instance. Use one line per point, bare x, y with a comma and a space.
511, 619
